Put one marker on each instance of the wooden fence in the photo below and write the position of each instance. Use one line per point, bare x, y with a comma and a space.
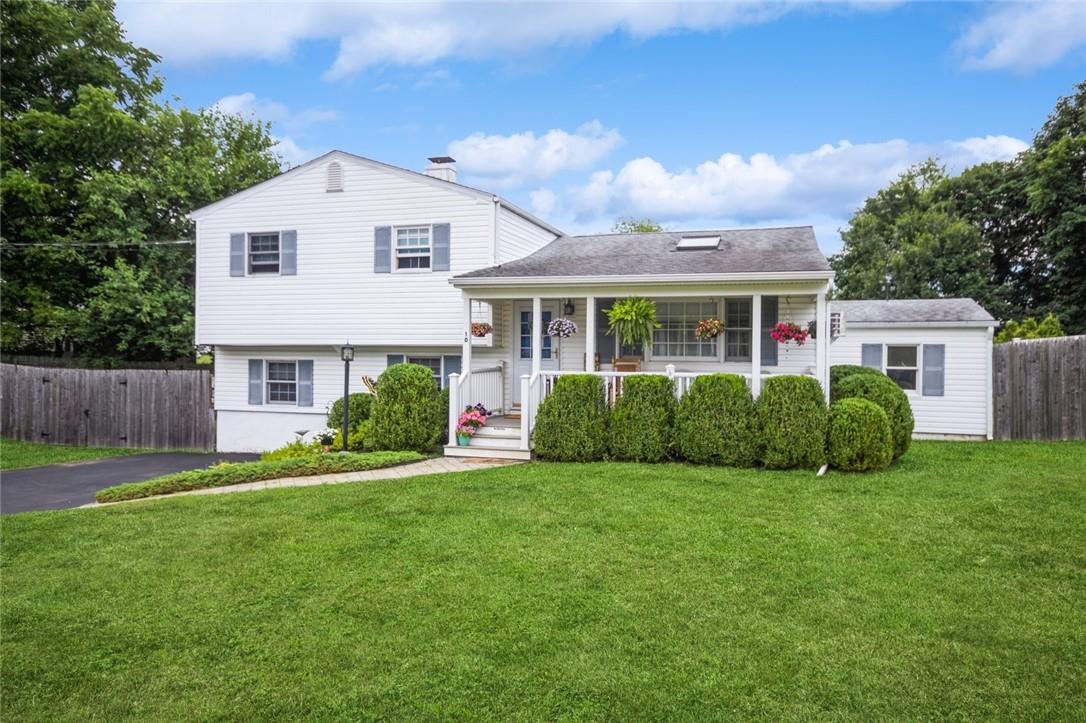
1039, 389
149, 408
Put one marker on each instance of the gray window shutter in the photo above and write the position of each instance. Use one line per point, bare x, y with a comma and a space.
770, 310
452, 366
305, 382
382, 250
393, 359
288, 253
256, 381
237, 254
440, 247
871, 356
934, 358
605, 343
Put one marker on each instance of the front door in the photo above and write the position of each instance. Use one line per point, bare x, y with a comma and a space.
522, 350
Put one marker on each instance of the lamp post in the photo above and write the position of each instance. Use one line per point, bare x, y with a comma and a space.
346, 353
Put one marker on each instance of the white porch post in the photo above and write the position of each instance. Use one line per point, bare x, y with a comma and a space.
822, 343
590, 334
465, 354
537, 334
756, 345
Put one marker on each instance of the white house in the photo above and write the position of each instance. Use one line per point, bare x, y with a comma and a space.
400, 264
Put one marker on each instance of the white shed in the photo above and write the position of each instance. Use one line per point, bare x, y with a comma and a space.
938, 350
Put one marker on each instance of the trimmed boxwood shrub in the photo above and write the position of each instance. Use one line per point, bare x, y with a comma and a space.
642, 421
716, 424
840, 372
571, 425
407, 411
792, 420
361, 406
885, 392
859, 437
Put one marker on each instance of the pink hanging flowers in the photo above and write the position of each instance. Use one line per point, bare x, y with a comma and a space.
786, 331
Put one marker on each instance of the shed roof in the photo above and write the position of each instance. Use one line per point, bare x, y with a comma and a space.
913, 311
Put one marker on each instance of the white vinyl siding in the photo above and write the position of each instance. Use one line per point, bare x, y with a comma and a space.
963, 407
518, 237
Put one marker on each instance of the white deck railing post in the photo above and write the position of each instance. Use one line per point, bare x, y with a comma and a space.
525, 410
454, 406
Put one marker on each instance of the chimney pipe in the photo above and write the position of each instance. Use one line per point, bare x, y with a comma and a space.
442, 167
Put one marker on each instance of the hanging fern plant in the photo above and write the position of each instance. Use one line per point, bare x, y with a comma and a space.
633, 320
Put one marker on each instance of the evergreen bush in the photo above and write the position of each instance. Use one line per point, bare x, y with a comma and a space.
885, 392
407, 413
859, 439
792, 420
641, 424
571, 424
715, 422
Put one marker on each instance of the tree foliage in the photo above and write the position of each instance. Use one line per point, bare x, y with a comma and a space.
1029, 329
1008, 234
636, 225
93, 167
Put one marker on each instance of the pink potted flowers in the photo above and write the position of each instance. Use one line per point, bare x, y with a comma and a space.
468, 424
786, 331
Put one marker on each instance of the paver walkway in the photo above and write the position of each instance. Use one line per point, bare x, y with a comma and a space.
437, 465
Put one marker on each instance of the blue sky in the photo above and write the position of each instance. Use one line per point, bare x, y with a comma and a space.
696, 114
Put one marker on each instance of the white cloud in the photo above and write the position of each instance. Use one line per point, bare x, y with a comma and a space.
544, 201
1024, 36
523, 158
250, 106
414, 34
829, 181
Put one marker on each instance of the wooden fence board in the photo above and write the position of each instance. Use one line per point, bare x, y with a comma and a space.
152, 408
1039, 389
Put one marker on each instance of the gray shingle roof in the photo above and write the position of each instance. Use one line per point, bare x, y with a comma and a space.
649, 254
902, 311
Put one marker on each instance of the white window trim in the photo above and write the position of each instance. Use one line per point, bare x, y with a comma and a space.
653, 356
268, 381
918, 369
396, 248
724, 334
249, 253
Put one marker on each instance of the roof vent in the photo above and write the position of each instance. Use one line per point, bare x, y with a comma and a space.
697, 243
442, 167
335, 177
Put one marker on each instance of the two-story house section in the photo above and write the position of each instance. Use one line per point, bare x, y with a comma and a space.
341, 249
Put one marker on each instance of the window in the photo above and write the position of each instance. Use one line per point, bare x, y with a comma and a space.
412, 248
264, 253
282, 382
901, 365
675, 337
432, 362
526, 335
737, 321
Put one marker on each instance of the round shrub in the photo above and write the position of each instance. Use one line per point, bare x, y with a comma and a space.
859, 437
359, 439
642, 420
407, 411
715, 423
361, 404
792, 420
571, 425
840, 372
884, 391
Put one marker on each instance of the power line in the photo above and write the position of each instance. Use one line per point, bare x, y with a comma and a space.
82, 244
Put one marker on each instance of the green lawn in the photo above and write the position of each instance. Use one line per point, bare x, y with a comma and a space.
16, 454
951, 586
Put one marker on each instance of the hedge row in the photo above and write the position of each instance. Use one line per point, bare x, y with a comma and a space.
224, 474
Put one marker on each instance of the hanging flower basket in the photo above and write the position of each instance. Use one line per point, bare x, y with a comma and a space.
707, 329
561, 328
786, 331
481, 328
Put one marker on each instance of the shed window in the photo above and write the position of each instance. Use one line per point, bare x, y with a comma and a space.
901, 365
412, 248
737, 325
282, 382
264, 253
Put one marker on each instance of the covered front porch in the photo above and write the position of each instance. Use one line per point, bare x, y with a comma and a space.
513, 366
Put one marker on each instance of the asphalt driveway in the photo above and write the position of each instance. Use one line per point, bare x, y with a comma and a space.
57, 486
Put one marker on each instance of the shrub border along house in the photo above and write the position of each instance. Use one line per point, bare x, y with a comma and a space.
643, 420
792, 421
223, 475
410, 411
716, 423
882, 390
859, 437
572, 421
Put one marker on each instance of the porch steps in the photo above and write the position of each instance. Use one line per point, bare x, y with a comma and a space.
494, 442
479, 451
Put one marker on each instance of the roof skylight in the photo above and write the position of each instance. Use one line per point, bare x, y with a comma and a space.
697, 243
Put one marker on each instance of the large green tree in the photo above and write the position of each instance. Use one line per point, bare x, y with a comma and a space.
95, 174
1011, 235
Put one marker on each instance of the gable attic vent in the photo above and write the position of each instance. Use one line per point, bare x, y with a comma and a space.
335, 177
697, 243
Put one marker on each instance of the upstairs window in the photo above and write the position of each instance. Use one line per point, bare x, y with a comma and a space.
412, 248
264, 253
282, 382
737, 328
901, 365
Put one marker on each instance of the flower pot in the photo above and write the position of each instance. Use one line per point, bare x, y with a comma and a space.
463, 439
327, 447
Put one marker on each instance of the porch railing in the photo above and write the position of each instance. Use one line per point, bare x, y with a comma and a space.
536, 387
475, 386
